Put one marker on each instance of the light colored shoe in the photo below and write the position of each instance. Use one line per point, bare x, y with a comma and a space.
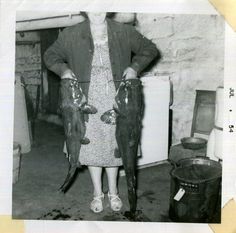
97, 203
115, 202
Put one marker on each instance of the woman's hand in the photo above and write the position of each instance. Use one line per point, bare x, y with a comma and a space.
129, 73
68, 74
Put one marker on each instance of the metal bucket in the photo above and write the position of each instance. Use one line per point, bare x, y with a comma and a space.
195, 190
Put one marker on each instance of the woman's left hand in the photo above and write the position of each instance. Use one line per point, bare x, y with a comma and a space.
130, 73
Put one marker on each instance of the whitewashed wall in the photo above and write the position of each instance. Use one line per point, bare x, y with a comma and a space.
192, 48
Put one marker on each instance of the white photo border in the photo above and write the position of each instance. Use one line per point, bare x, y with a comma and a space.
7, 66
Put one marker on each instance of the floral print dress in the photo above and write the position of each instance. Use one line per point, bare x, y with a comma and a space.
101, 149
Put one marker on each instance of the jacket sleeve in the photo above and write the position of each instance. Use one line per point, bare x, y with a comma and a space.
55, 57
144, 49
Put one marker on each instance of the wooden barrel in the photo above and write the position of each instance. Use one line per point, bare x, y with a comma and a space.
16, 162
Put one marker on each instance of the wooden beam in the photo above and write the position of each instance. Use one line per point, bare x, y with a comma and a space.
48, 22
28, 21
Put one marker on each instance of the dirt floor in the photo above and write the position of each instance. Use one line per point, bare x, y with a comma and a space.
43, 170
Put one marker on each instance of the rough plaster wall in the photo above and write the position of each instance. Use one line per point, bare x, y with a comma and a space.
192, 48
28, 61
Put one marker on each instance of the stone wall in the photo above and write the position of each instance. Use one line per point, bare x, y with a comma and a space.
28, 61
192, 48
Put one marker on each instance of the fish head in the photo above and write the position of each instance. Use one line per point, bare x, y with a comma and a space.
128, 97
71, 93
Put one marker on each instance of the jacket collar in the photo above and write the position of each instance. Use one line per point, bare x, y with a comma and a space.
86, 31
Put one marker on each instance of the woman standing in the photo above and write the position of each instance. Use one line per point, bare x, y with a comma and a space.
98, 53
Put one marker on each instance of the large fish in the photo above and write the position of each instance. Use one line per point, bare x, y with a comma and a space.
73, 105
128, 130
129, 109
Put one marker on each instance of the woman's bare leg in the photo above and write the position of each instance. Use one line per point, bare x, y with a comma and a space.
96, 176
112, 179
115, 201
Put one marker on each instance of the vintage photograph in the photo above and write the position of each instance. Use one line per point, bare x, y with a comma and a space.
118, 117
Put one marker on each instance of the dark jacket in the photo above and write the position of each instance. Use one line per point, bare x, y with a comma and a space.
74, 49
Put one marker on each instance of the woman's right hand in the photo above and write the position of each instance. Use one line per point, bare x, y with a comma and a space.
68, 74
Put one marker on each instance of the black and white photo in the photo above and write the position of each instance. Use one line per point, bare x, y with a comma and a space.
118, 117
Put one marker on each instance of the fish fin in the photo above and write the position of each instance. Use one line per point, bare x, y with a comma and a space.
88, 109
117, 153
85, 141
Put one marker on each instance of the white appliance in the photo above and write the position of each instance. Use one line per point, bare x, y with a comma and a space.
21, 126
215, 142
154, 138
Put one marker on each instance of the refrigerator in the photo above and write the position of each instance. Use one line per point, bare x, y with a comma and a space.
155, 124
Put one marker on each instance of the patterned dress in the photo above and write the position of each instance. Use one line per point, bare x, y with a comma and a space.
100, 150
